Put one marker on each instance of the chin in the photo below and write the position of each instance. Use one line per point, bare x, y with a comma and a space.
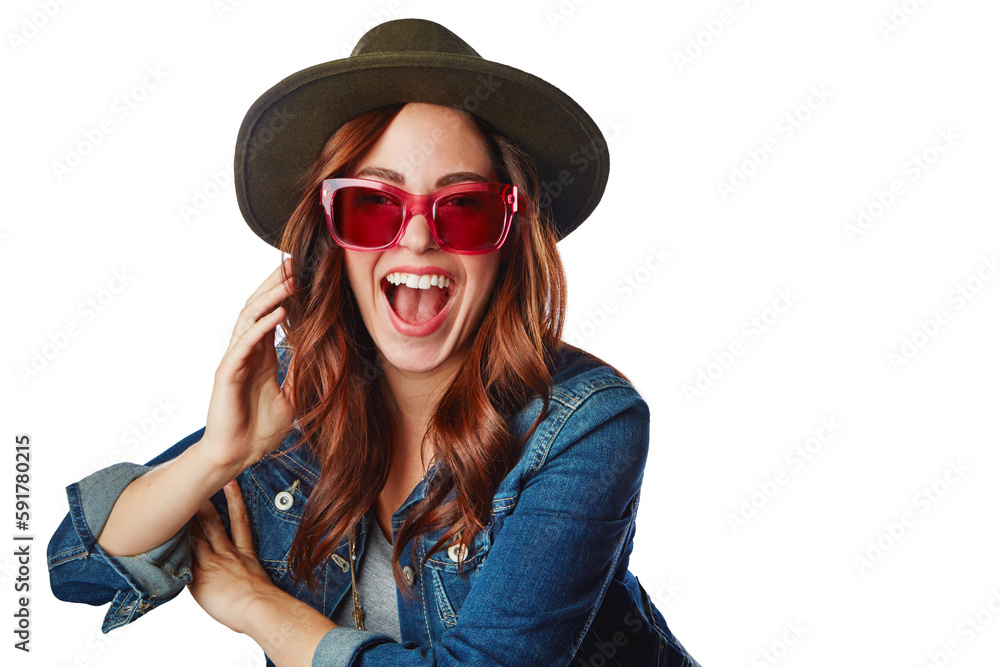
415, 356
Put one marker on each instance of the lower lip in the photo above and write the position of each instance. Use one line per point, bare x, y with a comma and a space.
416, 330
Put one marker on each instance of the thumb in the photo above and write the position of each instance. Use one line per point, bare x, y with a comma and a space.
288, 386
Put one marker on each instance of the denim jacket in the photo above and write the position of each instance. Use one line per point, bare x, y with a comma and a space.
546, 582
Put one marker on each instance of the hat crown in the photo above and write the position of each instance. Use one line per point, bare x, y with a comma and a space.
404, 35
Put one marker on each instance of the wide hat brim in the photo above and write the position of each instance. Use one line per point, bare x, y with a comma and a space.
414, 60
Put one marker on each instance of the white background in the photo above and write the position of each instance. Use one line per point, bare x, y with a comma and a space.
677, 130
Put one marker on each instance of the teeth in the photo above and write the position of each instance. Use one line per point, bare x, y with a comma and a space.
425, 281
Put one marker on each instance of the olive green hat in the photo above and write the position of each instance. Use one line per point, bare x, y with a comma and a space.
414, 60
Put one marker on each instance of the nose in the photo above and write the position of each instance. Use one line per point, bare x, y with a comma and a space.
418, 238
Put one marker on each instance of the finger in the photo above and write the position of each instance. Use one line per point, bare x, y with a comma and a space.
239, 521
241, 348
288, 386
201, 550
211, 526
275, 286
276, 278
267, 298
259, 306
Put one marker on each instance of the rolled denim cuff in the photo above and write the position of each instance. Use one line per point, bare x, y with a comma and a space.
148, 579
339, 646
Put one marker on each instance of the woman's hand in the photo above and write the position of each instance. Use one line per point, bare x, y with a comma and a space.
230, 584
249, 413
228, 577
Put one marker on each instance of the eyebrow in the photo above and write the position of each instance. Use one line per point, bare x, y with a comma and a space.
398, 179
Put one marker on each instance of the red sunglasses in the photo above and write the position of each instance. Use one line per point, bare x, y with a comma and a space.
466, 218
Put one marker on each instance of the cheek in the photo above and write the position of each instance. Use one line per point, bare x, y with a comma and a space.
360, 271
484, 276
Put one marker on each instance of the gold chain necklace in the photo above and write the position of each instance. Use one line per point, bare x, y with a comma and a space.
359, 615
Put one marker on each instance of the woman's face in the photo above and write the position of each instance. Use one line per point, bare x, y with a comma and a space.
424, 148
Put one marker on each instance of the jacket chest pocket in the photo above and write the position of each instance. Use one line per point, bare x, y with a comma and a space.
275, 499
451, 572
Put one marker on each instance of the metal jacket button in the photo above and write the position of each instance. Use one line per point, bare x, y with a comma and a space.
408, 573
284, 500
457, 552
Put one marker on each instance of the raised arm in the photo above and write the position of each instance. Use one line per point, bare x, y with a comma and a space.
249, 415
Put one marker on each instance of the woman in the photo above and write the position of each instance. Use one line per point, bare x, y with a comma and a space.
422, 473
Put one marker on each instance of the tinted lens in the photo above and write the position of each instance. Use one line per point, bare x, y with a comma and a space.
470, 220
366, 217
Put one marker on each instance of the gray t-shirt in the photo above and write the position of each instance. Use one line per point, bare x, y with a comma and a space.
376, 589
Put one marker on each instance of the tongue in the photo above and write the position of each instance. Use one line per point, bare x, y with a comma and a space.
416, 306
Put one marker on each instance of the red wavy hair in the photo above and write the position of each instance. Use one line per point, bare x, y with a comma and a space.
341, 412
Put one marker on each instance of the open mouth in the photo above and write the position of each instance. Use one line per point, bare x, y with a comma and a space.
417, 299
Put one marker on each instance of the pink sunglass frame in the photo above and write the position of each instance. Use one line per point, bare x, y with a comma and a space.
419, 205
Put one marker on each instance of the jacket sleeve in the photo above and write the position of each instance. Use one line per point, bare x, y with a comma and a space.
548, 569
81, 571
